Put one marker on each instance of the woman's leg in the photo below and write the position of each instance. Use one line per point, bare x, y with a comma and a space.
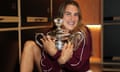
31, 54
37, 57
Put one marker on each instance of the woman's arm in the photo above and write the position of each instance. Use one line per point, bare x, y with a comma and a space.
66, 53
79, 60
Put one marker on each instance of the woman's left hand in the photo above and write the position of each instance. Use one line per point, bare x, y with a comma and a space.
49, 45
66, 54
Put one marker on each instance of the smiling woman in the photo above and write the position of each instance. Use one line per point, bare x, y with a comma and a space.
70, 17
71, 58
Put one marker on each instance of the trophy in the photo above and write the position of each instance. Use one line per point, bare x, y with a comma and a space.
60, 36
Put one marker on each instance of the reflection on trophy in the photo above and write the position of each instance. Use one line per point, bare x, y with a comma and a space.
60, 36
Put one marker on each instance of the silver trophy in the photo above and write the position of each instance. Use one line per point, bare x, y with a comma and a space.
61, 36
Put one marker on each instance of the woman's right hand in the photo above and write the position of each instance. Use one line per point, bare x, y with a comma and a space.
49, 45
66, 54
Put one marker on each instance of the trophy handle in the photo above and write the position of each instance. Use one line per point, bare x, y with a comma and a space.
76, 39
38, 36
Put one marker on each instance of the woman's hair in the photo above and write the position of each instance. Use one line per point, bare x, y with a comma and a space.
64, 5
80, 26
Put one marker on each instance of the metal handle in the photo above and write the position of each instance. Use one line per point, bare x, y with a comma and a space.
38, 36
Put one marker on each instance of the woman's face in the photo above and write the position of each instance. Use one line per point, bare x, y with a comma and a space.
70, 17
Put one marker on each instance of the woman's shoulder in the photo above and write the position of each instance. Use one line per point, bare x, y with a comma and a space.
87, 29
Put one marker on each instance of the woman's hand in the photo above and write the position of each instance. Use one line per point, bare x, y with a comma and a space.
66, 54
49, 45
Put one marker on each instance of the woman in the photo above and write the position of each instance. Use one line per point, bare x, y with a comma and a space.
70, 58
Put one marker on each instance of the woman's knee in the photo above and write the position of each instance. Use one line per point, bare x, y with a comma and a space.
29, 43
28, 46
31, 46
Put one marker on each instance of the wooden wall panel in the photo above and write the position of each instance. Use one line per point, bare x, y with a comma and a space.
96, 42
91, 11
